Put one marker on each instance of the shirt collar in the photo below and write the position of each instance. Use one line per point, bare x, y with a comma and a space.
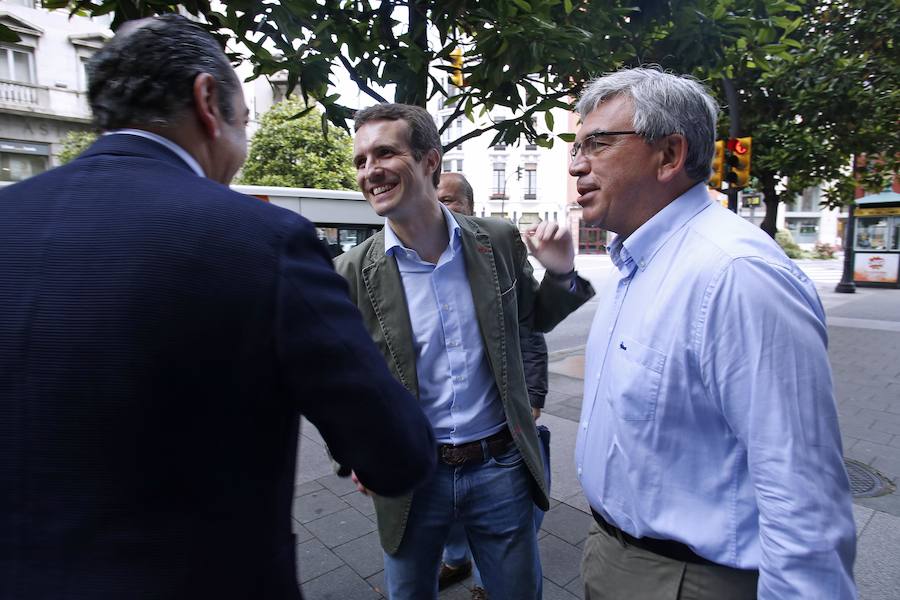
392, 243
178, 150
641, 246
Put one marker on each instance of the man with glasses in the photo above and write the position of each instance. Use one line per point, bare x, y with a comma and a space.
708, 446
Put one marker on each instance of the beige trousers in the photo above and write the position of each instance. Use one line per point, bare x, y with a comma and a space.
613, 571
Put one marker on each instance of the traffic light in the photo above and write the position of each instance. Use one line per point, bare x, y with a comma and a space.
739, 161
456, 75
718, 166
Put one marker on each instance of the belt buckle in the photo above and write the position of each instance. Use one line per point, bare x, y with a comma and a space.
450, 458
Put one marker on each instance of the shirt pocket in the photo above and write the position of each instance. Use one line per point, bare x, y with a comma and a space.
635, 376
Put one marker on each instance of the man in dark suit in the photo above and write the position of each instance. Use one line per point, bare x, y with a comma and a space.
159, 335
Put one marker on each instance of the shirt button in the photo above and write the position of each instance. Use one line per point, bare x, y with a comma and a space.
579, 470
584, 425
641, 264
445, 307
459, 379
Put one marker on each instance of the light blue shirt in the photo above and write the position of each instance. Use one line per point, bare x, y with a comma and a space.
708, 415
456, 387
178, 150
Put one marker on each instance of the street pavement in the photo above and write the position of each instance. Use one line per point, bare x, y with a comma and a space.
338, 555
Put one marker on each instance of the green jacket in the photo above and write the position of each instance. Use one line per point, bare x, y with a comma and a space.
505, 295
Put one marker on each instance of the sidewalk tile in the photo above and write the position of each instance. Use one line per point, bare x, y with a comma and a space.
861, 518
867, 451
301, 533
560, 561
564, 412
316, 505
555, 592
314, 559
576, 586
377, 583
580, 502
305, 488
340, 527
877, 557
887, 427
363, 555
889, 466
567, 523
338, 485
865, 433
340, 584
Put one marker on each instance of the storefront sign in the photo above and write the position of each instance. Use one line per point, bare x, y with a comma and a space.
878, 212
875, 267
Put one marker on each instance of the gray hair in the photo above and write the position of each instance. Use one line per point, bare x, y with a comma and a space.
663, 104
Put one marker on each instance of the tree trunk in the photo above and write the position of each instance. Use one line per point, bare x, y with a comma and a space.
414, 89
770, 197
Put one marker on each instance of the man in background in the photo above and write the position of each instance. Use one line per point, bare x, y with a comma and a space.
455, 192
159, 336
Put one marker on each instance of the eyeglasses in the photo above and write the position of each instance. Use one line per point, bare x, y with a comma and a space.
592, 145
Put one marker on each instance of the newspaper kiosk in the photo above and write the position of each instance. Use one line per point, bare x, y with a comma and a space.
876, 249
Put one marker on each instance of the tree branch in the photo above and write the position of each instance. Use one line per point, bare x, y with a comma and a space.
355, 76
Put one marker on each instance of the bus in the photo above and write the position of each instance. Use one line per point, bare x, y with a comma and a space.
342, 218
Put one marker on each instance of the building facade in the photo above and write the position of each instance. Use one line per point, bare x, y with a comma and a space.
43, 84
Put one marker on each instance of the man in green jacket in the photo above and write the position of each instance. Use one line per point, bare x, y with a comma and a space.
444, 296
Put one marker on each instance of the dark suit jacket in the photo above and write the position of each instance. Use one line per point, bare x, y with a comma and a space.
159, 334
507, 300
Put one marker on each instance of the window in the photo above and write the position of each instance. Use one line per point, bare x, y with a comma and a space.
458, 125
459, 164
872, 233
21, 160
530, 182
25, 3
16, 65
447, 166
499, 180
804, 231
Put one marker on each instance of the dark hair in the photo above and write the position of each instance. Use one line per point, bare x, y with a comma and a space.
423, 134
466, 188
145, 75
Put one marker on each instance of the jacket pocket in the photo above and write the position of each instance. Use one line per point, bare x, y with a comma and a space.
635, 375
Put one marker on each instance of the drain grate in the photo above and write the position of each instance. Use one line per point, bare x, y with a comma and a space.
866, 482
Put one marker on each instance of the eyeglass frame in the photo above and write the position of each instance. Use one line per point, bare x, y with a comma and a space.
576, 147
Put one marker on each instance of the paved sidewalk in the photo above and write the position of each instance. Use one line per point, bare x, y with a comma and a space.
338, 553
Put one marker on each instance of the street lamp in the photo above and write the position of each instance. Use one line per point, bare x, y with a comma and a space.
846, 285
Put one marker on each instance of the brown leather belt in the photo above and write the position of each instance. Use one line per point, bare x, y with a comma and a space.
495, 445
668, 548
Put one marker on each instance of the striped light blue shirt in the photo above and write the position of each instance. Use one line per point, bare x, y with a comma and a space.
708, 415
456, 388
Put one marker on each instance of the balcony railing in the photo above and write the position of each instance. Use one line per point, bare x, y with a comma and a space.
23, 94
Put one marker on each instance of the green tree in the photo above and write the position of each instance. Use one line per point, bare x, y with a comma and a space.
834, 96
74, 143
529, 56
293, 151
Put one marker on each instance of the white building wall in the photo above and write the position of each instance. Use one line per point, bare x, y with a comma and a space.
35, 115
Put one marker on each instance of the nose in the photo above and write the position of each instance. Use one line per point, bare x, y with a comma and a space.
579, 166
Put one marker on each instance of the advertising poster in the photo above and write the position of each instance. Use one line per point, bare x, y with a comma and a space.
875, 267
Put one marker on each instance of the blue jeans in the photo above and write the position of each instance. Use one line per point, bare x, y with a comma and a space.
492, 500
456, 550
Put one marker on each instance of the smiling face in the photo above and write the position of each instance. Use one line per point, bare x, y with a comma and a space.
617, 182
393, 182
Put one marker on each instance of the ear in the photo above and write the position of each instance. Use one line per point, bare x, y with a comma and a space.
673, 154
206, 104
431, 160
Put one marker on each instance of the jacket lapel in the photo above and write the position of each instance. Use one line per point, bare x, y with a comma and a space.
385, 289
482, 273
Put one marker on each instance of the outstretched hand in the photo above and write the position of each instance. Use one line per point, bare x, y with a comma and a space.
551, 246
362, 489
